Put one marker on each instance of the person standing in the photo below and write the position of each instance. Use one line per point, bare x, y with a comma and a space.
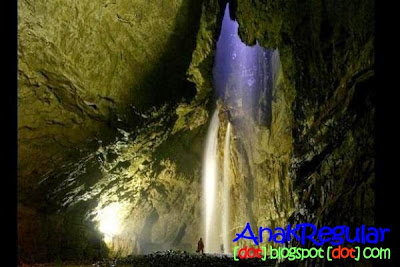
200, 246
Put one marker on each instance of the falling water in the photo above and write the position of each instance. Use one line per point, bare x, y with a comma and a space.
243, 80
226, 193
210, 186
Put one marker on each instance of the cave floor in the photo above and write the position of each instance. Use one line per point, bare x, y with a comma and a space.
169, 258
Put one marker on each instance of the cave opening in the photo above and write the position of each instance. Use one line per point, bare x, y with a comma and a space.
243, 79
243, 75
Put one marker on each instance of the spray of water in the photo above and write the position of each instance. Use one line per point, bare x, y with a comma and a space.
210, 187
226, 193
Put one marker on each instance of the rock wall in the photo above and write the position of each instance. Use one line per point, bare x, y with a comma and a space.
327, 53
88, 66
90, 71
260, 153
114, 111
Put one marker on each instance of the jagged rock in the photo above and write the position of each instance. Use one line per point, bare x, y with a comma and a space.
107, 118
326, 50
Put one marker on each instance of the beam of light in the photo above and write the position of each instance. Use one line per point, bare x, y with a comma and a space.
210, 186
110, 220
242, 75
226, 238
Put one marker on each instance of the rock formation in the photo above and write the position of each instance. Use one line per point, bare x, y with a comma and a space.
114, 101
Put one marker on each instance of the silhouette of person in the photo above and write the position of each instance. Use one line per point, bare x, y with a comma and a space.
200, 246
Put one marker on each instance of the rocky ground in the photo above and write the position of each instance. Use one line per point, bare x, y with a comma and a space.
178, 258
172, 258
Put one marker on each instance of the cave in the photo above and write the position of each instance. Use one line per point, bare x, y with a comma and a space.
145, 125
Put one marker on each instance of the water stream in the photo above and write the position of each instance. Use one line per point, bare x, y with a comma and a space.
243, 79
210, 187
226, 240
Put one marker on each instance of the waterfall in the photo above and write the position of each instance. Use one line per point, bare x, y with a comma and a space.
243, 82
210, 187
226, 240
